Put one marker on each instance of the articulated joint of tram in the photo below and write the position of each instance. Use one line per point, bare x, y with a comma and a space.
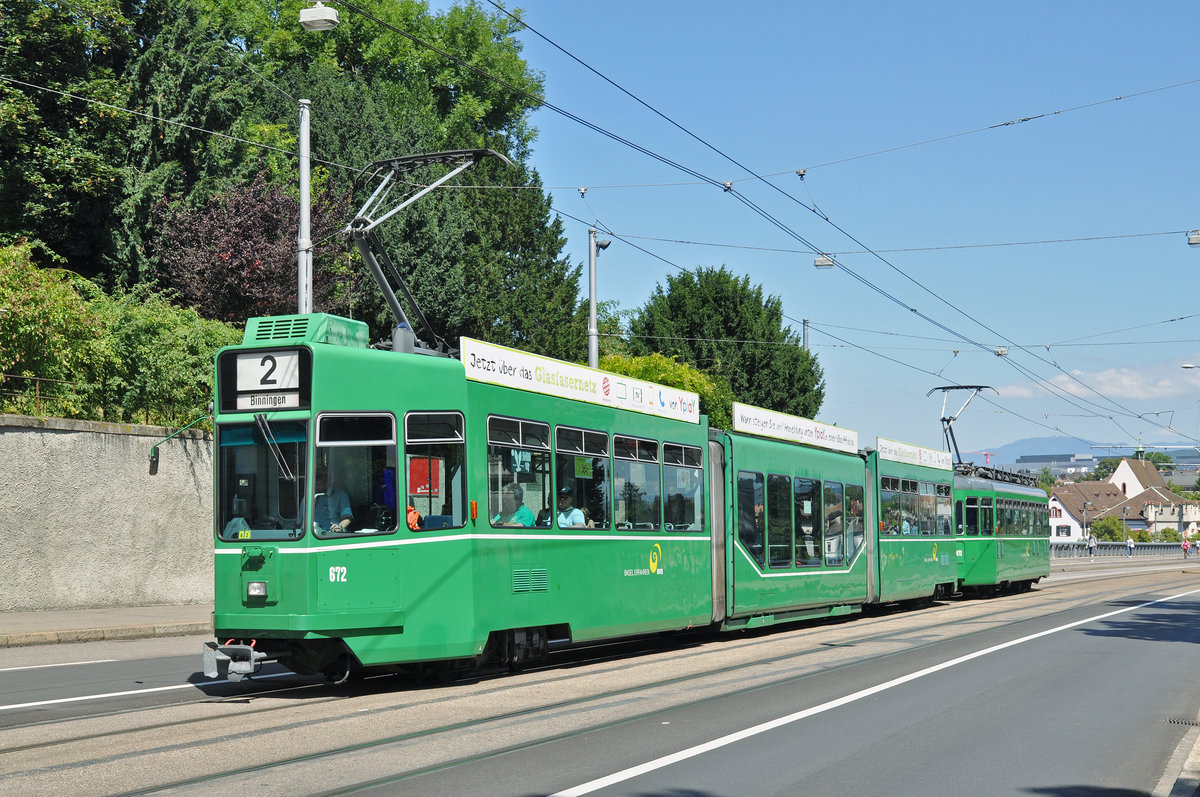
238, 660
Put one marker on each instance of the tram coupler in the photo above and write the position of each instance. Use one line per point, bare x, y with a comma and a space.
239, 660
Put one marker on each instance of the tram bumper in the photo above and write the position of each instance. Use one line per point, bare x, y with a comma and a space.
238, 661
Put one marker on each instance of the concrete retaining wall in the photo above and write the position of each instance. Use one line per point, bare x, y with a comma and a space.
87, 527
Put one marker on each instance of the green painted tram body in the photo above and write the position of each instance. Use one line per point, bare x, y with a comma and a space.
1002, 533
784, 563
916, 539
422, 595
685, 527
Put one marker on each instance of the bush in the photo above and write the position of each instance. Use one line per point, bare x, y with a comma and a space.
69, 350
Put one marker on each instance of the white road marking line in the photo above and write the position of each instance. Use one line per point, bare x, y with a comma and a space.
724, 741
64, 664
82, 698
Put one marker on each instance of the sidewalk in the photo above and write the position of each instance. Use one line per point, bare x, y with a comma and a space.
93, 625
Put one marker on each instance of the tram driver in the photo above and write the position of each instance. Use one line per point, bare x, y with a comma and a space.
513, 511
331, 509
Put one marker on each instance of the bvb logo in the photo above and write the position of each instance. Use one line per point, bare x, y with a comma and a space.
655, 554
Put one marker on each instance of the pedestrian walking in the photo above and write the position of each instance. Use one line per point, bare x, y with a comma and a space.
1187, 548
1129, 546
1091, 543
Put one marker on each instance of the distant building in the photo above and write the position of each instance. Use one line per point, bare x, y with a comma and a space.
1136, 491
1059, 464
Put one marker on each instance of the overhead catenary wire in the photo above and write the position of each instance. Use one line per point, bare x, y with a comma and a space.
728, 188
710, 181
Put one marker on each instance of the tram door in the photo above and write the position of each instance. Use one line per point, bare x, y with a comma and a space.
716, 515
871, 537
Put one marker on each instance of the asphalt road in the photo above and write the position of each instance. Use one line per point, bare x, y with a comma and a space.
1082, 687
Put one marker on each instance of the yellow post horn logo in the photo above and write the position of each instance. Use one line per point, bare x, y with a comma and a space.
655, 553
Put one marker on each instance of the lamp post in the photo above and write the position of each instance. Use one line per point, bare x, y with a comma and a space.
315, 17
593, 331
1086, 506
304, 236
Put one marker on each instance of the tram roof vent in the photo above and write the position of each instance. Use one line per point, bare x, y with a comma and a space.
311, 328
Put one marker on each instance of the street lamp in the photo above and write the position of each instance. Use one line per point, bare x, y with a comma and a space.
318, 17
823, 261
1086, 506
315, 17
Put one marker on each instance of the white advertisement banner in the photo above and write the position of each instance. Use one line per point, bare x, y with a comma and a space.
497, 365
768, 423
913, 455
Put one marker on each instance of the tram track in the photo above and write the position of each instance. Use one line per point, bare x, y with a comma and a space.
779, 678
700, 668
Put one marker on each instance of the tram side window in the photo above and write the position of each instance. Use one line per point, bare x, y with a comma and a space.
889, 502
260, 480
434, 459
518, 472
987, 521
1003, 524
855, 528
354, 474
683, 485
943, 510
750, 508
637, 484
908, 506
958, 518
806, 498
972, 518
581, 464
779, 521
926, 508
835, 522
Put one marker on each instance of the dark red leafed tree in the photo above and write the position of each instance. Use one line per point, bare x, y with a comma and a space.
235, 257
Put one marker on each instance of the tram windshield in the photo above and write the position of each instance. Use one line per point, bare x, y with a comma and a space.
260, 480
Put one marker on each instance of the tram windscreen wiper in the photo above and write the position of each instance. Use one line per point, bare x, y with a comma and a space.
261, 421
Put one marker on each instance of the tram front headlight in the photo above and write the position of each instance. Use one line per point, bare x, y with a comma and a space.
256, 589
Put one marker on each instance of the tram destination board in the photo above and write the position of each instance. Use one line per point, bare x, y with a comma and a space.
265, 380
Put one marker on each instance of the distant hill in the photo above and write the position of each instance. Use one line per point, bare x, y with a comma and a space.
1008, 454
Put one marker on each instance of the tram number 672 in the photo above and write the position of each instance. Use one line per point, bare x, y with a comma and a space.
337, 573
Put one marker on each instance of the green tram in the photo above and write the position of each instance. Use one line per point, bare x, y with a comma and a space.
1002, 531
390, 508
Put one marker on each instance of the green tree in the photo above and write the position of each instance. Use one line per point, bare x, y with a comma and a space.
60, 177
1046, 479
159, 368
69, 350
49, 338
1108, 529
188, 78
481, 262
1161, 461
716, 398
1104, 468
723, 326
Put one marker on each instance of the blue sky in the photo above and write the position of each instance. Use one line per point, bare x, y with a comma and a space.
781, 86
